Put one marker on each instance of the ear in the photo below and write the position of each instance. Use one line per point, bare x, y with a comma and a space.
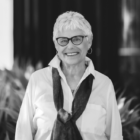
89, 42
56, 45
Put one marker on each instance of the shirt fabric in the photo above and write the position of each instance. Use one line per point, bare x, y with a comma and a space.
99, 121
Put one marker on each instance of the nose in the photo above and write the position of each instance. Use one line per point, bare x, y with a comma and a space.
70, 44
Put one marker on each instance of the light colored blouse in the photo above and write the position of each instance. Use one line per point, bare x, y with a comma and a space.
99, 121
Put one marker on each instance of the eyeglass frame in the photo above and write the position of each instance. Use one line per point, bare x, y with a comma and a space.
70, 39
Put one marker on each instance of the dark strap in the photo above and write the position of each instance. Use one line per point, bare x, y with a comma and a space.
65, 127
57, 89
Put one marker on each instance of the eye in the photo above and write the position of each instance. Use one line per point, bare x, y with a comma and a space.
62, 40
77, 39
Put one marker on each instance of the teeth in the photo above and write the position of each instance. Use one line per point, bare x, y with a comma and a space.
71, 54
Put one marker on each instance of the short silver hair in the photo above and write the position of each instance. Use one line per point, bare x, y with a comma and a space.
71, 20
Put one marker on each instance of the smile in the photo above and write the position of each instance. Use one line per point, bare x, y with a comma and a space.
72, 54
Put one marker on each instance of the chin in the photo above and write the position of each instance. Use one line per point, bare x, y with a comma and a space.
72, 62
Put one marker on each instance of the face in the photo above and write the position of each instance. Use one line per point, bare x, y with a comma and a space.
73, 54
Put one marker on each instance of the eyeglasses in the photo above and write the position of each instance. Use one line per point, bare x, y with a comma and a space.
76, 40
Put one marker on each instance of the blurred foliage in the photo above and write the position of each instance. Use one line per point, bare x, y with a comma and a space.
129, 116
12, 88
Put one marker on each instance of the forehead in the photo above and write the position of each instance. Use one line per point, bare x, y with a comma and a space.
70, 33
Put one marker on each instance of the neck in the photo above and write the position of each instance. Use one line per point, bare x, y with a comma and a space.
74, 70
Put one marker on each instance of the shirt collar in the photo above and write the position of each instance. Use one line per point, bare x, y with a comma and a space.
55, 62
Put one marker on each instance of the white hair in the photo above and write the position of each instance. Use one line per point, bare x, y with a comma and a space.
71, 20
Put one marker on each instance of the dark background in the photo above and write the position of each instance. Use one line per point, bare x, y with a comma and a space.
33, 27
33, 32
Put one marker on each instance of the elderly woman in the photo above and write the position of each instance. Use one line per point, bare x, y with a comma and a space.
69, 99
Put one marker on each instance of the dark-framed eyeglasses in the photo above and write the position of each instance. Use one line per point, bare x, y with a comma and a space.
76, 40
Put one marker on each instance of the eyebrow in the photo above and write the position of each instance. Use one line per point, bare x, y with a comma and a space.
71, 37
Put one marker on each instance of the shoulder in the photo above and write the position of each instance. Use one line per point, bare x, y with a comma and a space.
44, 74
101, 78
102, 88
41, 83
102, 84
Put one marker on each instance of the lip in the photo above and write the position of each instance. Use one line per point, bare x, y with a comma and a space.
71, 53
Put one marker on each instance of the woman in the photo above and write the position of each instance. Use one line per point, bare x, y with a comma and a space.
69, 99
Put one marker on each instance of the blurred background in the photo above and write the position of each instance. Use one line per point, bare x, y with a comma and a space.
26, 45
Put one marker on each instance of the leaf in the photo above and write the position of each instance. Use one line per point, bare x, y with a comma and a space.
136, 133
124, 111
12, 89
121, 95
9, 112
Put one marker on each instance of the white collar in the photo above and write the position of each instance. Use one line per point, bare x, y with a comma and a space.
55, 62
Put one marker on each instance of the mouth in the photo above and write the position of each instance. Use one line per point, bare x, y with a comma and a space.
72, 54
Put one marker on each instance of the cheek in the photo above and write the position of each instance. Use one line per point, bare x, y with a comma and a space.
84, 49
60, 51
58, 48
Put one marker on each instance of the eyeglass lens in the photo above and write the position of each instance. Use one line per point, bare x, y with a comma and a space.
76, 40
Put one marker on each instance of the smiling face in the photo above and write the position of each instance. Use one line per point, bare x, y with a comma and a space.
73, 54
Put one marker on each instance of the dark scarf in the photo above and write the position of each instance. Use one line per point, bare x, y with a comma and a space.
65, 124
